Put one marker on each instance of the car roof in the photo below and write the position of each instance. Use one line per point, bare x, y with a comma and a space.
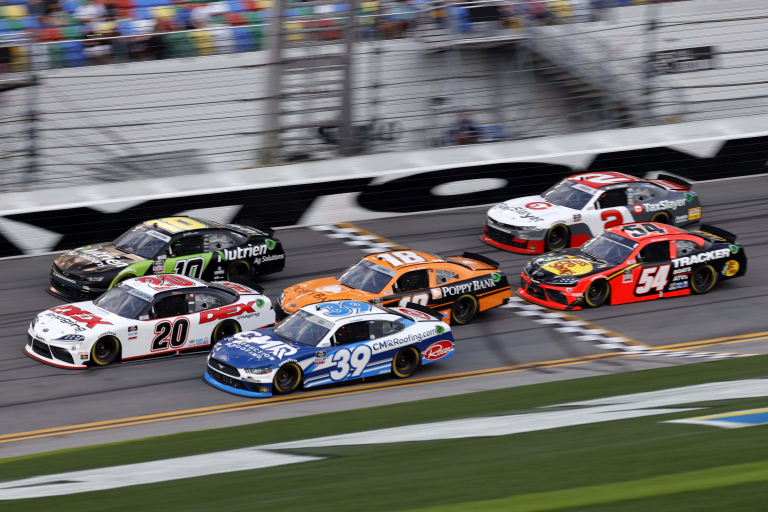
669, 230
425, 256
322, 310
152, 285
598, 180
179, 224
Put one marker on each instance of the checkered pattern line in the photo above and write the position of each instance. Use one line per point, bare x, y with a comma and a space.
367, 243
584, 332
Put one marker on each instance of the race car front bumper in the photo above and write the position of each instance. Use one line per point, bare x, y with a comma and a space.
554, 297
53, 355
511, 241
74, 290
237, 386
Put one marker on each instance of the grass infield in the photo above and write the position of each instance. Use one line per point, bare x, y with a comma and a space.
637, 464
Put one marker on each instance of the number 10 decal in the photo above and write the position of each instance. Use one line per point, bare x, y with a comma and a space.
193, 267
166, 332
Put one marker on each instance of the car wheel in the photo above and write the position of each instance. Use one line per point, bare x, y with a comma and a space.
557, 237
703, 279
287, 379
406, 362
239, 271
597, 293
224, 330
661, 218
105, 351
464, 309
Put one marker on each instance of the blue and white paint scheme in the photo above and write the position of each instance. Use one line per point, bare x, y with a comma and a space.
330, 342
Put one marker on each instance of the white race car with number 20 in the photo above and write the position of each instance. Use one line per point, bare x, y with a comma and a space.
148, 316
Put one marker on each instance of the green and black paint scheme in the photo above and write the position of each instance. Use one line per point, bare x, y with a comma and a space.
191, 246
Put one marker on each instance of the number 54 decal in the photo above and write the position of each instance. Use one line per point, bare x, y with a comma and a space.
652, 278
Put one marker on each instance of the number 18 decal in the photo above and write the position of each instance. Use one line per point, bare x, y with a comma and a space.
399, 258
652, 278
345, 361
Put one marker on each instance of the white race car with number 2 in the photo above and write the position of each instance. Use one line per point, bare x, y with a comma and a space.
148, 316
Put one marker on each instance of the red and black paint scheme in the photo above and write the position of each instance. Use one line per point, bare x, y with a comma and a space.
581, 206
633, 263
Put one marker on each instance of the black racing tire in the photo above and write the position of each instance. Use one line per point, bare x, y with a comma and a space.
287, 379
464, 309
703, 279
597, 293
406, 362
105, 351
661, 218
557, 238
224, 330
239, 272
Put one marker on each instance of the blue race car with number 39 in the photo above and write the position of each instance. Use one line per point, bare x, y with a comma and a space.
326, 343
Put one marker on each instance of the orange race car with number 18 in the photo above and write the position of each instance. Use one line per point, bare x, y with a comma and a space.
458, 287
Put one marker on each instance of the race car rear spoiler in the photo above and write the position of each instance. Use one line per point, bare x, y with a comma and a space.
725, 235
481, 259
416, 307
671, 178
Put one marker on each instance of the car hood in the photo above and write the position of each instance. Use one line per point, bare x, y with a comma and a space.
567, 263
531, 211
259, 349
320, 290
82, 318
95, 260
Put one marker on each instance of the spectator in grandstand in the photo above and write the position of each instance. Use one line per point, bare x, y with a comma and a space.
97, 48
89, 11
157, 48
183, 20
466, 132
35, 8
200, 16
55, 16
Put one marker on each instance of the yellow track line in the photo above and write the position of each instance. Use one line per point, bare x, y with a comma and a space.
716, 341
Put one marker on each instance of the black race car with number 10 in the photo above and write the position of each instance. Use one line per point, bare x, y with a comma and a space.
189, 246
633, 263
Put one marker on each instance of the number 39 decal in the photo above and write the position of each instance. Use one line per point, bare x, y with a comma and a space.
356, 361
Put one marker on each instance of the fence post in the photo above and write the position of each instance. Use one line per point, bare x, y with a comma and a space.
271, 151
346, 133
32, 163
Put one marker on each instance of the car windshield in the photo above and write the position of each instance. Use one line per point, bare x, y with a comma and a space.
569, 194
142, 241
123, 301
609, 247
367, 276
305, 328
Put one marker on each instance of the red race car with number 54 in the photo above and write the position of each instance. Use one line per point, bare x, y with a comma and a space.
581, 206
633, 263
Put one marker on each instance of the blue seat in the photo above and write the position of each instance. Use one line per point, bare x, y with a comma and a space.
73, 52
70, 5
244, 39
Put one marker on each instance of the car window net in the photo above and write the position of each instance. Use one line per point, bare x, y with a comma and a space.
175, 305
142, 242
657, 251
567, 194
367, 276
352, 333
121, 303
304, 328
416, 280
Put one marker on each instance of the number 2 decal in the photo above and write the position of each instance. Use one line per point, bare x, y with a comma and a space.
345, 361
652, 278
178, 332
612, 214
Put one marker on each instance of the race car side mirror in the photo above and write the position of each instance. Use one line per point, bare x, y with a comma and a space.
395, 288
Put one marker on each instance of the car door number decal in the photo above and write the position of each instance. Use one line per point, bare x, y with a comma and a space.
399, 258
421, 299
356, 361
166, 332
652, 278
193, 267
612, 214
344, 308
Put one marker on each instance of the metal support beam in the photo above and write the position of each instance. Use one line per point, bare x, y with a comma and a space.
272, 145
347, 144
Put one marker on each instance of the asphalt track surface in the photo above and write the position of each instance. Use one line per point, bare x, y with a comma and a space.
38, 397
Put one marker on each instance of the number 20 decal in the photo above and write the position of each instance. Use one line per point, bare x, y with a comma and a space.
652, 278
356, 361
166, 332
